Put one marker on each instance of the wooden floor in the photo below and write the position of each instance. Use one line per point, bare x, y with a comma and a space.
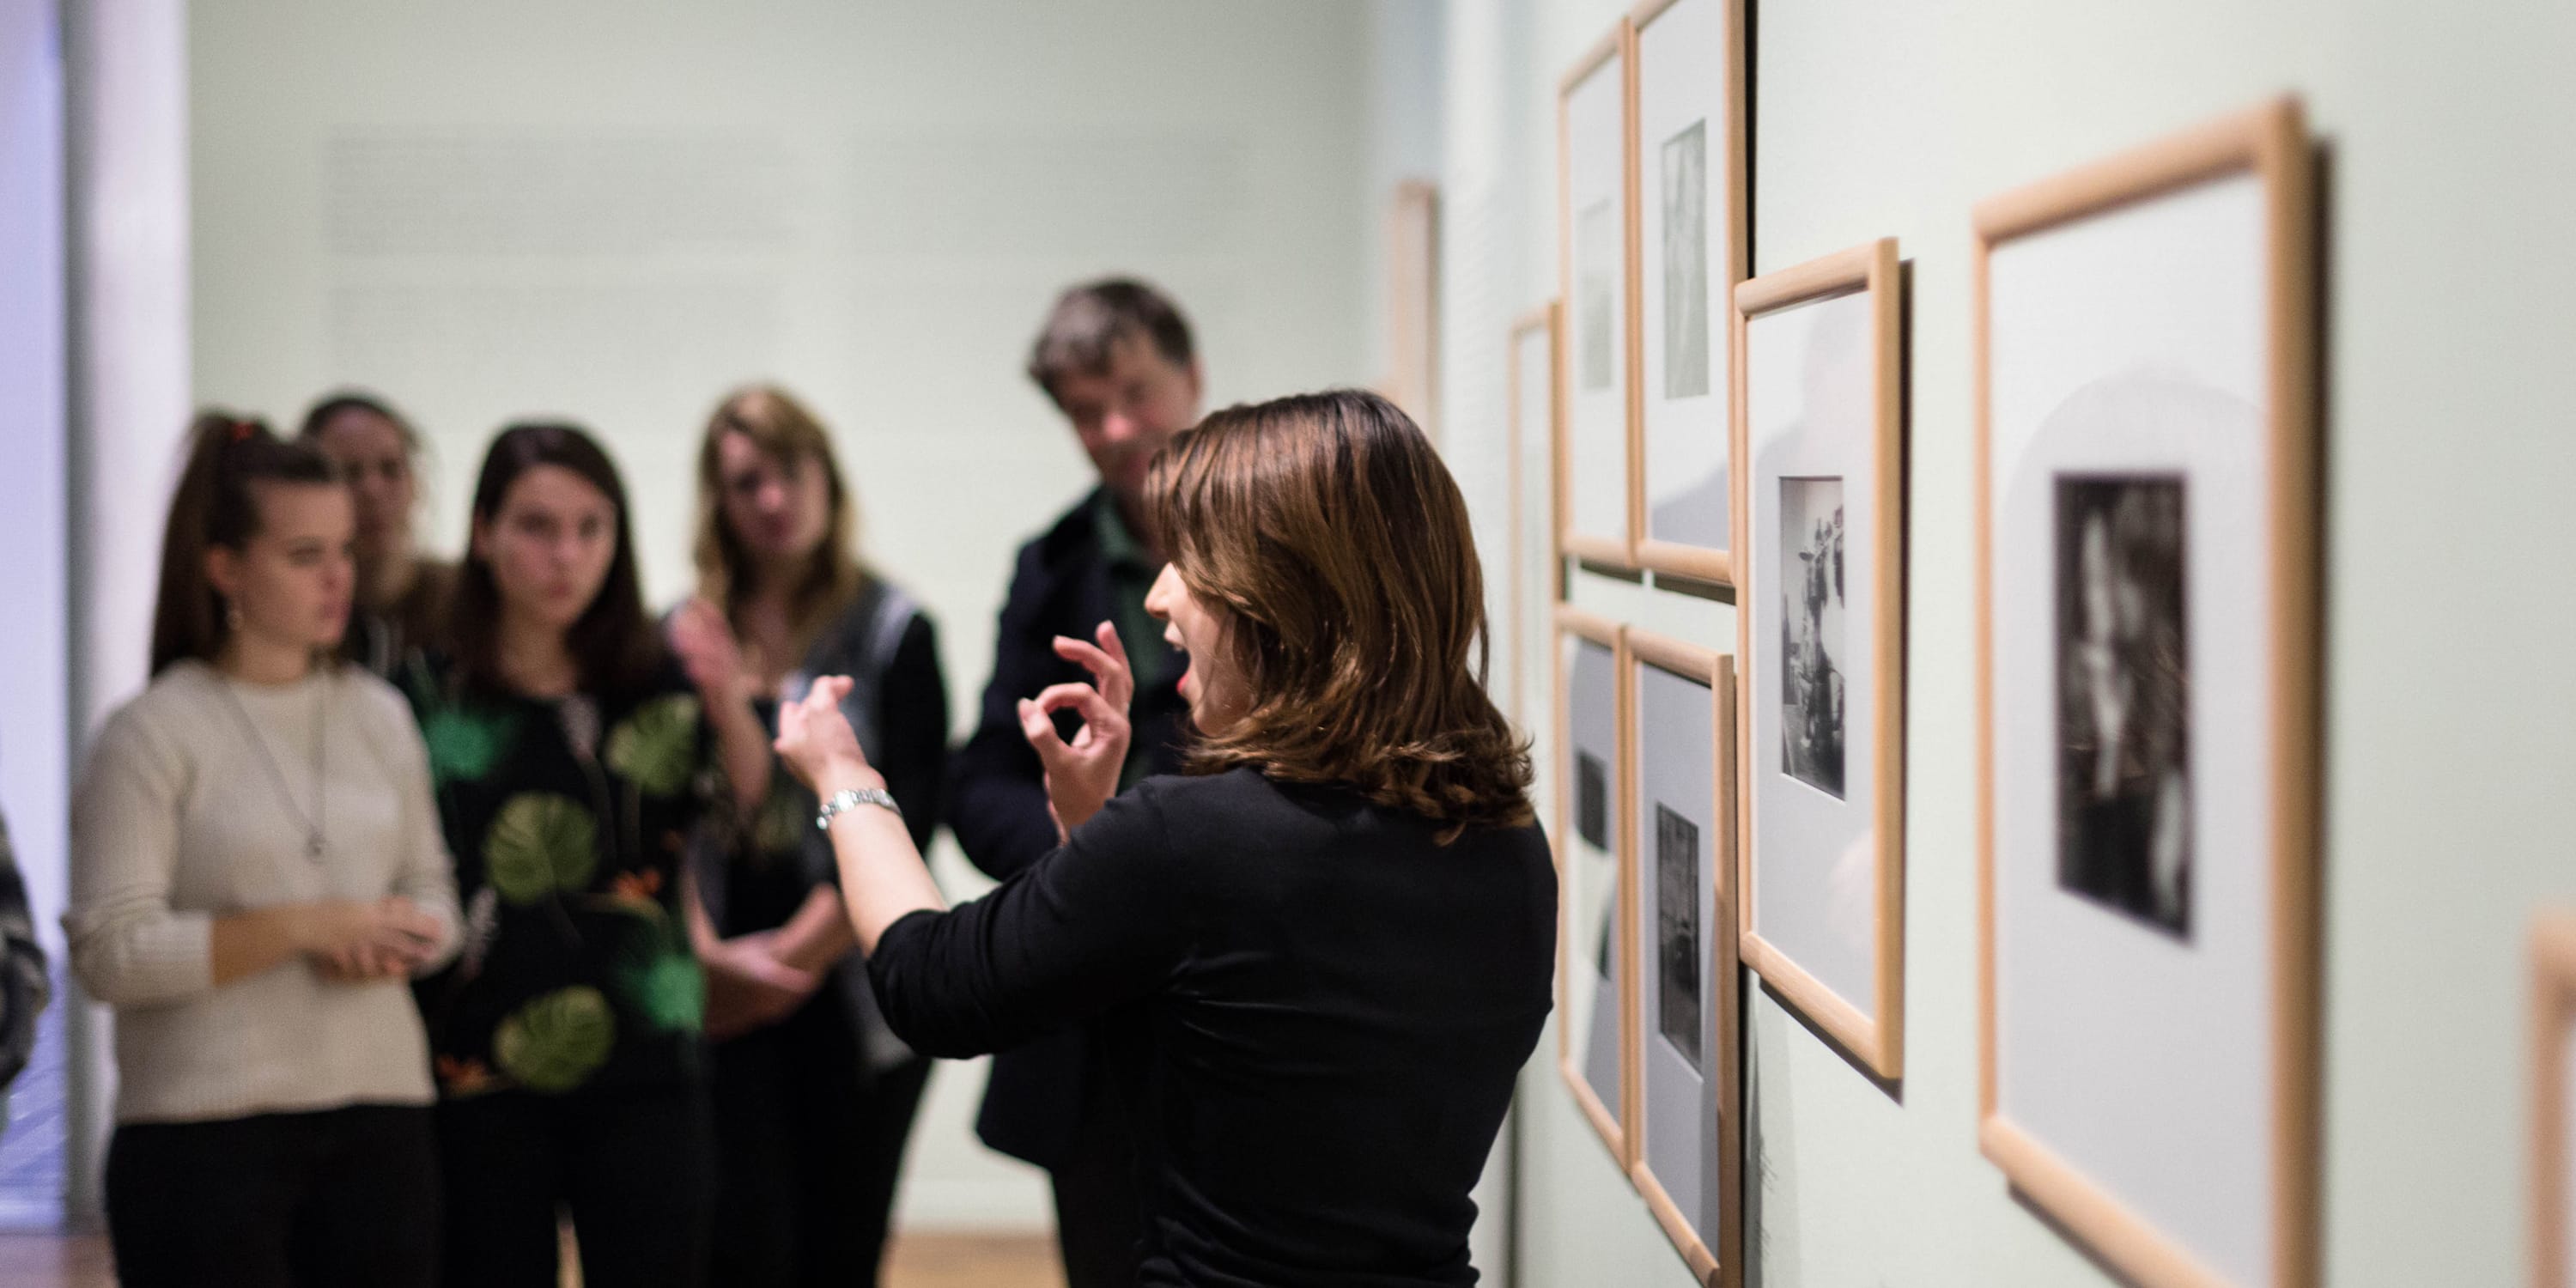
915, 1261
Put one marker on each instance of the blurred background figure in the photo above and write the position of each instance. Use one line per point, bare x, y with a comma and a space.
573, 761
24, 985
402, 595
257, 872
814, 1096
1117, 359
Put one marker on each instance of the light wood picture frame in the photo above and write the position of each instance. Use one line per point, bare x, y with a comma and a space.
1596, 204
2553, 1099
1413, 304
1693, 245
1534, 418
1687, 1118
1820, 616
2148, 727
1596, 882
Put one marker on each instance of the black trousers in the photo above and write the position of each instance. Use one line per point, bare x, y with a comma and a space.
333, 1197
636, 1169
808, 1148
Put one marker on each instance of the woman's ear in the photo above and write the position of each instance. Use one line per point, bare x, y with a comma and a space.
224, 571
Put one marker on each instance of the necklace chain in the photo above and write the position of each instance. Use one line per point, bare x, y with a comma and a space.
311, 824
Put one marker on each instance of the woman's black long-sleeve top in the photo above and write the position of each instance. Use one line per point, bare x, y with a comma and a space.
1319, 1011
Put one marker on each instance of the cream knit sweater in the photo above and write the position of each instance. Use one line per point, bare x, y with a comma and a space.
179, 820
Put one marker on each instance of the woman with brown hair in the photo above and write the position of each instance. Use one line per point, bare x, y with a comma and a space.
814, 1096
1327, 948
573, 761
256, 873
402, 595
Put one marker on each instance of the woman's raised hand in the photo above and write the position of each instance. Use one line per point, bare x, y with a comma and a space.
816, 740
708, 651
1082, 775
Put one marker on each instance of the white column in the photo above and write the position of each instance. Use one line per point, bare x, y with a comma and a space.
127, 70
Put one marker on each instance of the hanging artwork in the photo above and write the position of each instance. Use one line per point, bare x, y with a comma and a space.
1688, 1164
1596, 191
1594, 981
2553, 1100
1692, 250
1821, 611
2147, 537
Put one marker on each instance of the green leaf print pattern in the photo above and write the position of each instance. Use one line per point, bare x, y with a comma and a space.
555, 1042
538, 844
464, 744
656, 748
667, 991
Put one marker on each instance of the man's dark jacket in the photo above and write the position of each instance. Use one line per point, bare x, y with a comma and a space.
998, 805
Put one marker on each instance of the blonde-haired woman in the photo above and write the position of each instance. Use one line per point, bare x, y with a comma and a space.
814, 1095
1328, 947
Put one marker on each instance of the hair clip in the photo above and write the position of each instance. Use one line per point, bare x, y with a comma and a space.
243, 429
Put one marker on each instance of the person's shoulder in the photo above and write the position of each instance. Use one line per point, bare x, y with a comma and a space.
1074, 534
156, 723
375, 700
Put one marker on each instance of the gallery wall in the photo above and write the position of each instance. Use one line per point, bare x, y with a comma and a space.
2446, 146
577, 207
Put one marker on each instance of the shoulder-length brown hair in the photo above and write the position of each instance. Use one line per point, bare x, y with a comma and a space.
782, 428
1339, 551
613, 641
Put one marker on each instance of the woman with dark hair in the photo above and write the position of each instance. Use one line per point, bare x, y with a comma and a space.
572, 761
402, 595
814, 1096
256, 872
1328, 947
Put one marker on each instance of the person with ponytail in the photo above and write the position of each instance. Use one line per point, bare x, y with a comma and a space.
257, 871
574, 760
1323, 954
402, 594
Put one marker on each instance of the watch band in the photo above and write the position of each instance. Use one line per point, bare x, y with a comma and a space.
851, 798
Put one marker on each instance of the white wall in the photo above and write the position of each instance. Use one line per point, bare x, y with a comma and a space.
34, 719
493, 207
2449, 458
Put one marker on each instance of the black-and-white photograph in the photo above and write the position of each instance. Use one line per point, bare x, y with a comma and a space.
2123, 696
1686, 262
1677, 959
1591, 800
1811, 632
1596, 259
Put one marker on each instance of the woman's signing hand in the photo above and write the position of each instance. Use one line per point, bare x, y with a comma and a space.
1082, 775
816, 740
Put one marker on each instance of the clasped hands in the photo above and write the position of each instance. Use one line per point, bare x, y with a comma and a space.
816, 741
354, 941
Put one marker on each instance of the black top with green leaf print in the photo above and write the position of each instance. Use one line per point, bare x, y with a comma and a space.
568, 819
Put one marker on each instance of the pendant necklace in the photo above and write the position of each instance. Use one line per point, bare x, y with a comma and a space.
277, 777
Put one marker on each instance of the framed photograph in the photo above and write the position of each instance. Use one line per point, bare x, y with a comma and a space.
1596, 186
1534, 418
1691, 251
2553, 1100
1413, 303
1682, 826
1821, 615
2147, 694
1594, 883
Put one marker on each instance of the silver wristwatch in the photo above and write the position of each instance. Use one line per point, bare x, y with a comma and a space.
846, 800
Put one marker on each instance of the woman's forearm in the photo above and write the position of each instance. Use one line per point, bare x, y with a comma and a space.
248, 943
743, 746
817, 935
882, 876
